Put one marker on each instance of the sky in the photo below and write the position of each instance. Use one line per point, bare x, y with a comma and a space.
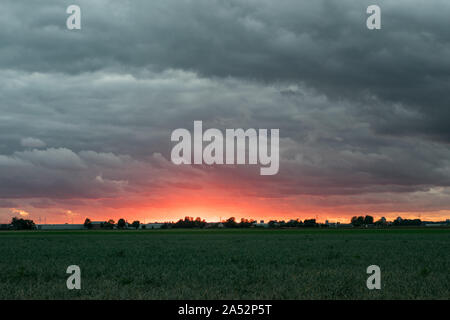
86, 115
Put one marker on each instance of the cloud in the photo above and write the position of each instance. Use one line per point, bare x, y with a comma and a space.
32, 143
6, 204
124, 132
51, 173
363, 115
21, 213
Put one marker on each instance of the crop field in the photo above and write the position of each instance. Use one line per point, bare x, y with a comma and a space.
226, 264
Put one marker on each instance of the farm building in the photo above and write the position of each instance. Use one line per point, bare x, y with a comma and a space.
214, 225
435, 224
65, 226
344, 225
151, 226
97, 224
262, 225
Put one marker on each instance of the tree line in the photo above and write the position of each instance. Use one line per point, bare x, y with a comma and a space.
190, 222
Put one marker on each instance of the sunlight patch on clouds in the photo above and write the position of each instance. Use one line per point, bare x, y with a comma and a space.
21, 213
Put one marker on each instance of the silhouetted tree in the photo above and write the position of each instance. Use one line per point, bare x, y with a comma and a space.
230, 223
273, 224
199, 223
357, 221
406, 222
245, 223
189, 222
121, 223
381, 222
398, 221
368, 220
136, 224
22, 224
108, 224
88, 223
310, 223
293, 223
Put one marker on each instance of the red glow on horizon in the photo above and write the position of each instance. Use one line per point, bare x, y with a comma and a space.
213, 205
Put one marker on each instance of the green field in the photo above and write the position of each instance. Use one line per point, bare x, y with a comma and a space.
226, 264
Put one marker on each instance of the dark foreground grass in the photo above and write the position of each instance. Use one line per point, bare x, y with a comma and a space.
226, 264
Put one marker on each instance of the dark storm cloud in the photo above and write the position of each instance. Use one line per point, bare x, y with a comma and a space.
322, 43
84, 111
127, 120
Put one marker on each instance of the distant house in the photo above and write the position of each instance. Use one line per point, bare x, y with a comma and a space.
97, 224
435, 224
214, 225
151, 226
65, 226
331, 224
262, 224
345, 225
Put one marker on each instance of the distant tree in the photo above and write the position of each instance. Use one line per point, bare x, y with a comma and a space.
310, 223
88, 223
22, 224
417, 222
245, 223
230, 223
368, 220
136, 224
188, 222
293, 223
273, 224
108, 224
381, 222
357, 221
398, 221
121, 224
199, 223
407, 222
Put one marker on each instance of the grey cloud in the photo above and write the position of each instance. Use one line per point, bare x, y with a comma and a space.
128, 119
50, 173
324, 44
32, 142
359, 112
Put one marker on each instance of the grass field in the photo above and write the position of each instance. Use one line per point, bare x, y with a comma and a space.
226, 264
